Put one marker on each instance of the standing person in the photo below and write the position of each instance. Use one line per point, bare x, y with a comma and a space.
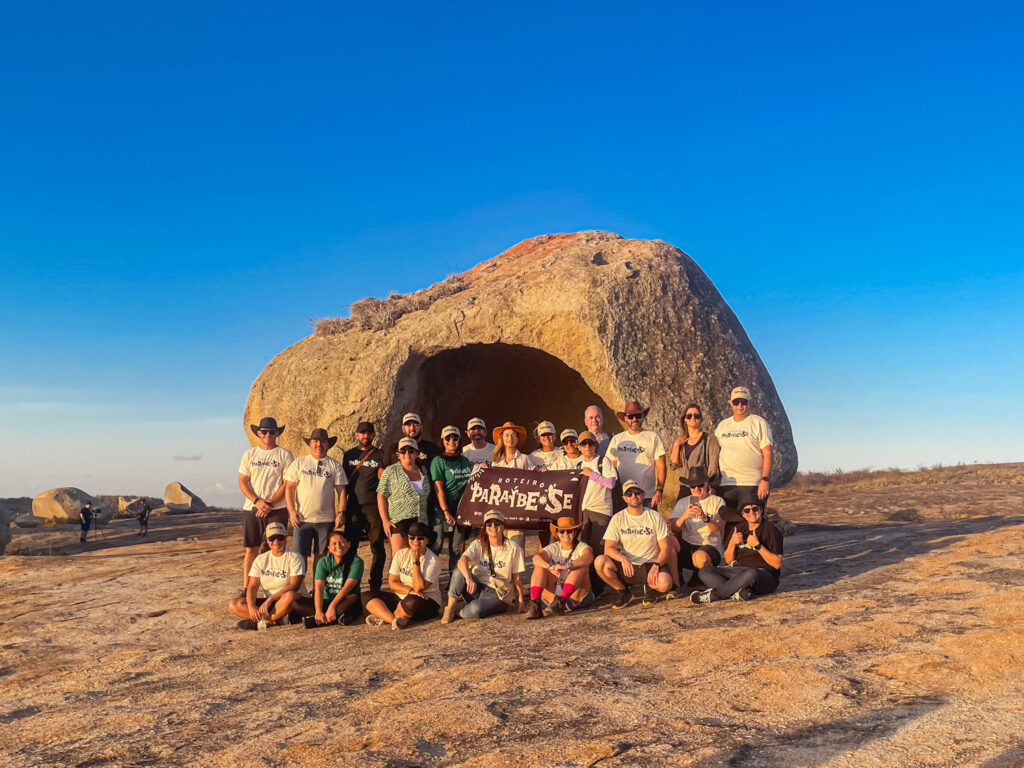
547, 454
596, 505
450, 472
478, 450
508, 437
143, 517
261, 481
489, 574
412, 426
85, 515
754, 555
695, 519
636, 549
639, 454
364, 464
277, 576
745, 461
413, 578
336, 585
561, 573
571, 457
593, 418
311, 484
694, 447
403, 494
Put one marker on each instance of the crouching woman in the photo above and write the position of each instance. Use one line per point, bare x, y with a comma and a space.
413, 580
561, 573
489, 577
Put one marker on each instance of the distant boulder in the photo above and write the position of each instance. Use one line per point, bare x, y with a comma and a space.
27, 521
179, 499
61, 505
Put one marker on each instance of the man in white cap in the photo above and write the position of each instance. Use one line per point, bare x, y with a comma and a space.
478, 450
548, 453
261, 481
277, 576
745, 462
593, 418
311, 484
412, 426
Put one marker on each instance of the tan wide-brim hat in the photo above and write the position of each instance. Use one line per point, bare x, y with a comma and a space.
521, 431
632, 407
565, 523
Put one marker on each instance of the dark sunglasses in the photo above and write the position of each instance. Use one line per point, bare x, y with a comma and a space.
633, 492
450, 437
278, 537
266, 431
493, 523
740, 401
751, 510
407, 450
566, 530
417, 538
569, 440
631, 416
696, 416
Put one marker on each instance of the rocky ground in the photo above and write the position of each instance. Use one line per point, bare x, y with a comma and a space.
890, 644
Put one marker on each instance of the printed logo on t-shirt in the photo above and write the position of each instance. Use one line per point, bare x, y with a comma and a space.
265, 463
368, 463
642, 531
741, 433
317, 472
274, 574
631, 448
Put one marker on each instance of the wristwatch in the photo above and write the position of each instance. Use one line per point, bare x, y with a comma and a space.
766, 479
757, 548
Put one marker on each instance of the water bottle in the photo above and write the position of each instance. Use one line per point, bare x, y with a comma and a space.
262, 625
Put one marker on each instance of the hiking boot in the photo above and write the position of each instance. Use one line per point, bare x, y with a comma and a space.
400, 622
742, 595
246, 624
534, 611
623, 597
559, 607
706, 596
373, 621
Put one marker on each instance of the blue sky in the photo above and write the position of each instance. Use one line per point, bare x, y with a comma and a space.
182, 186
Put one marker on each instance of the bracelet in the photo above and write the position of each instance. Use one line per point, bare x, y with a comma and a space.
766, 479
256, 501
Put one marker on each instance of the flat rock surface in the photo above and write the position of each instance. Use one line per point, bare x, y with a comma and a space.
890, 644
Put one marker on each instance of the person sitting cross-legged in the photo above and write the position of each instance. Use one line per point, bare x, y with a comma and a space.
754, 554
277, 576
561, 573
413, 579
636, 549
489, 574
695, 519
337, 578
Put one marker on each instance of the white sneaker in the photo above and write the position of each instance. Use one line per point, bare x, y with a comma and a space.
373, 621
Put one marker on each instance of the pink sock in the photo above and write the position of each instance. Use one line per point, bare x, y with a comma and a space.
567, 590
536, 592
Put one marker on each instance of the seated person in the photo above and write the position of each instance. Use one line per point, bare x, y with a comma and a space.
636, 549
413, 580
561, 573
754, 554
696, 521
338, 573
489, 576
277, 575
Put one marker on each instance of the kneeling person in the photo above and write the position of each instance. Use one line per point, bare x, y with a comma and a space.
636, 548
561, 572
277, 575
413, 579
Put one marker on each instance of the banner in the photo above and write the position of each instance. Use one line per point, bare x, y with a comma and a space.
529, 500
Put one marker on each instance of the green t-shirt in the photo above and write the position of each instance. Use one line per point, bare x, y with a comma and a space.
454, 473
334, 576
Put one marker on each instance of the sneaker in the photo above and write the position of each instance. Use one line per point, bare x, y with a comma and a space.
706, 596
647, 599
450, 614
534, 611
400, 622
309, 622
559, 607
623, 597
344, 620
373, 621
743, 595
246, 624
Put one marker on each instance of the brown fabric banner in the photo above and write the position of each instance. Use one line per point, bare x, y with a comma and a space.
529, 500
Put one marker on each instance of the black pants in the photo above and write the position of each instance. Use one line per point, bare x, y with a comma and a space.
594, 526
362, 521
728, 580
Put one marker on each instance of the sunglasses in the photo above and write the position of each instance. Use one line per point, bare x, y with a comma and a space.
493, 523
751, 510
695, 416
278, 537
417, 538
588, 442
407, 450
266, 431
569, 440
631, 416
633, 492
451, 437
740, 401
570, 530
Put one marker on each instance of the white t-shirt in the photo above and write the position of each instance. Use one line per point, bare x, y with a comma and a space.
565, 461
596, 498
274, 572
519, 461
637, 535
265, 470
635, 456
548, 458
316, 480
478, 455
430, 566
694, 530
508, 559
742, 441
558, 556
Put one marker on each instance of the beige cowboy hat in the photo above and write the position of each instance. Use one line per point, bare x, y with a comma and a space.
632, 408
565, 523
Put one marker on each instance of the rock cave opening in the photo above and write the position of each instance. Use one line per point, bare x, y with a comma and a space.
504, 382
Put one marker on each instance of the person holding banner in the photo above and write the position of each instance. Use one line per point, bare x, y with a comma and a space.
596, 507
489, 575
636, 549
450, 472
561, 573
402, 495
507, 438
547, 454
571, 457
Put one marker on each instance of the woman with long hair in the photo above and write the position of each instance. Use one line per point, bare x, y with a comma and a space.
337, 577
507, 439
695, 447
402, 495
413, 580
489, 574
561, 573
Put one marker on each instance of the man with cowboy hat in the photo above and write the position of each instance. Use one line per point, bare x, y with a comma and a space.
696, 521
561, 572
311, 484
261, 481
639, 454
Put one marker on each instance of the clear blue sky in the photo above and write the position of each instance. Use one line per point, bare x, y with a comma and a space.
182, 185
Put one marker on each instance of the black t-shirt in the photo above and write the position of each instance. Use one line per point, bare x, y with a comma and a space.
364, 482
770, 539
87, 513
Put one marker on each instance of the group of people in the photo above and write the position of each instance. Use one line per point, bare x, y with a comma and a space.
715, 539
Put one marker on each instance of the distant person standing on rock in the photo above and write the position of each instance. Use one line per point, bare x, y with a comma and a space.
143, 517
639, 454
364, 464
745, 461
694, 447
594, 421
311, 484
478, 450
85, 515
261, 481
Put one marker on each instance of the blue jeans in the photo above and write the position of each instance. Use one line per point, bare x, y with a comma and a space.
306, 534
482, 603
730, 579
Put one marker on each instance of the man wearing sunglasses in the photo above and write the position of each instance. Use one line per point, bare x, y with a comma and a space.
311, 484
261, 481
745, 461
754, 554
639, 454
272, 586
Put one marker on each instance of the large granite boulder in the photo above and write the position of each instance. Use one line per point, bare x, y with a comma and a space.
61, 505
541, 331
178, 499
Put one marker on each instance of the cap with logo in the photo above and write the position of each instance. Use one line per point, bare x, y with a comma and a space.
476, 422
275, 529
493, 514
412, 417
450, 430
740, 392
567, 433
545, 428
408, 442
630, 485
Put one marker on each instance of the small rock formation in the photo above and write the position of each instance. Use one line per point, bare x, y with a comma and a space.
541, 331
178, 499
27, 521
61, 505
